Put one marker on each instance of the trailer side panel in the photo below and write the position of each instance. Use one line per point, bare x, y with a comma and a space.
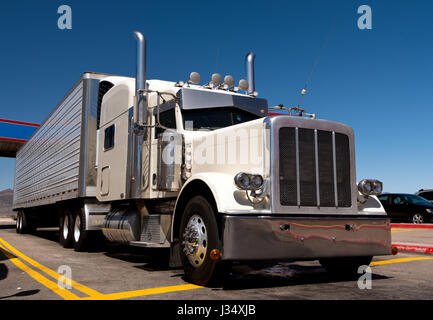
58, 162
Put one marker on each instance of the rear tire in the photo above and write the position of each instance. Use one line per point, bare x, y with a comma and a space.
66, 229
19, 222
345, 266
23, 223
80, 235
199, 227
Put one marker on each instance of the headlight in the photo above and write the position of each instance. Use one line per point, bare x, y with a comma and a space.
370, 187
428, 210
245, 181
256, 181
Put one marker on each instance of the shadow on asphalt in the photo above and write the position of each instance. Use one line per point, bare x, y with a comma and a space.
242, 277
282, 275
22, 294
3, 271
148, 259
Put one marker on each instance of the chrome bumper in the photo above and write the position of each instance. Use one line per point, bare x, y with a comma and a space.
283, 237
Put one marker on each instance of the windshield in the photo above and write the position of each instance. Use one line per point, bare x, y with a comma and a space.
417, 200
215, 118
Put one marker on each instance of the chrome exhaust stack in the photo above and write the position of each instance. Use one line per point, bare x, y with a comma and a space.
140, 110
138, 178
249, 64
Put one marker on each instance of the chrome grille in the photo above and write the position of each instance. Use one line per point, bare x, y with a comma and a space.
314, 168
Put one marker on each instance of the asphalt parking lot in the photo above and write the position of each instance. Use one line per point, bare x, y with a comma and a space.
32, 265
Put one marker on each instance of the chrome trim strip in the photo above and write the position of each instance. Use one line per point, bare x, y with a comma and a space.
298, 180
316, 153
334, 159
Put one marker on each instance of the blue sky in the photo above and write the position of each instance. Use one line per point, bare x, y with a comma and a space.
378, 81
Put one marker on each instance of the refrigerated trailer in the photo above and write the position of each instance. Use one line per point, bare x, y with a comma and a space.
201, 170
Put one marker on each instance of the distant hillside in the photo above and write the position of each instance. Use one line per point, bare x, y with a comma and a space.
6, 198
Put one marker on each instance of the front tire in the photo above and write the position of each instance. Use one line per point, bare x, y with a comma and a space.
198, 237
345, 266
417, 218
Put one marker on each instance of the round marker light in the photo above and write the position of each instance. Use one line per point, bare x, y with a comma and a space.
243, 85
229, 81
216, 79
194, 78
215, 254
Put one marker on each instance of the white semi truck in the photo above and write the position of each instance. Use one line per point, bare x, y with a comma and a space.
200, 169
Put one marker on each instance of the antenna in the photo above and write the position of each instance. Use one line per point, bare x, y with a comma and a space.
216, 61
325, 43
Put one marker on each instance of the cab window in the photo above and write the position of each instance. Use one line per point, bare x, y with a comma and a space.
167, 119
109, 138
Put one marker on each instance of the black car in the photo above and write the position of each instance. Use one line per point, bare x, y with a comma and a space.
402, 207
428, 194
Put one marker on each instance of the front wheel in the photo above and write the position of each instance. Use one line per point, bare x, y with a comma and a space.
417, 218
345, 266
198, 237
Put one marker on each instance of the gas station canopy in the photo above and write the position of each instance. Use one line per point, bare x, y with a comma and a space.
13, 134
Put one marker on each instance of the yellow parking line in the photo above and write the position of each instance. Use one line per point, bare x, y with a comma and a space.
93, 294
65, 294
379, 263
144, 292
403, 230
88, 291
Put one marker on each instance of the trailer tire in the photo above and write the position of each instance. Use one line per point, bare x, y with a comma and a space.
199, 268
66, 229
19, 222
23, 223
80, 235
346, 267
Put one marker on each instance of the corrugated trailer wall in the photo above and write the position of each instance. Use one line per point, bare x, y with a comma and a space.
58, 161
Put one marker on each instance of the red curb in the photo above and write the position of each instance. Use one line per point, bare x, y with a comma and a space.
20, 122
12, 139
413, 248
411, 225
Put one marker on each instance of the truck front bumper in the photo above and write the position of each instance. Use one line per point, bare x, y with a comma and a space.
288, 237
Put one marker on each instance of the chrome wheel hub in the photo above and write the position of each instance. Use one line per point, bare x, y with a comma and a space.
66, 227
195, 241
19, 222
417, 218
77, 227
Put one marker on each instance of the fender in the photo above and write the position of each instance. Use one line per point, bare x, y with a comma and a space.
228, 198
371, 206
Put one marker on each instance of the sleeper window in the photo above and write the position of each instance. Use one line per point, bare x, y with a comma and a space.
109, 138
